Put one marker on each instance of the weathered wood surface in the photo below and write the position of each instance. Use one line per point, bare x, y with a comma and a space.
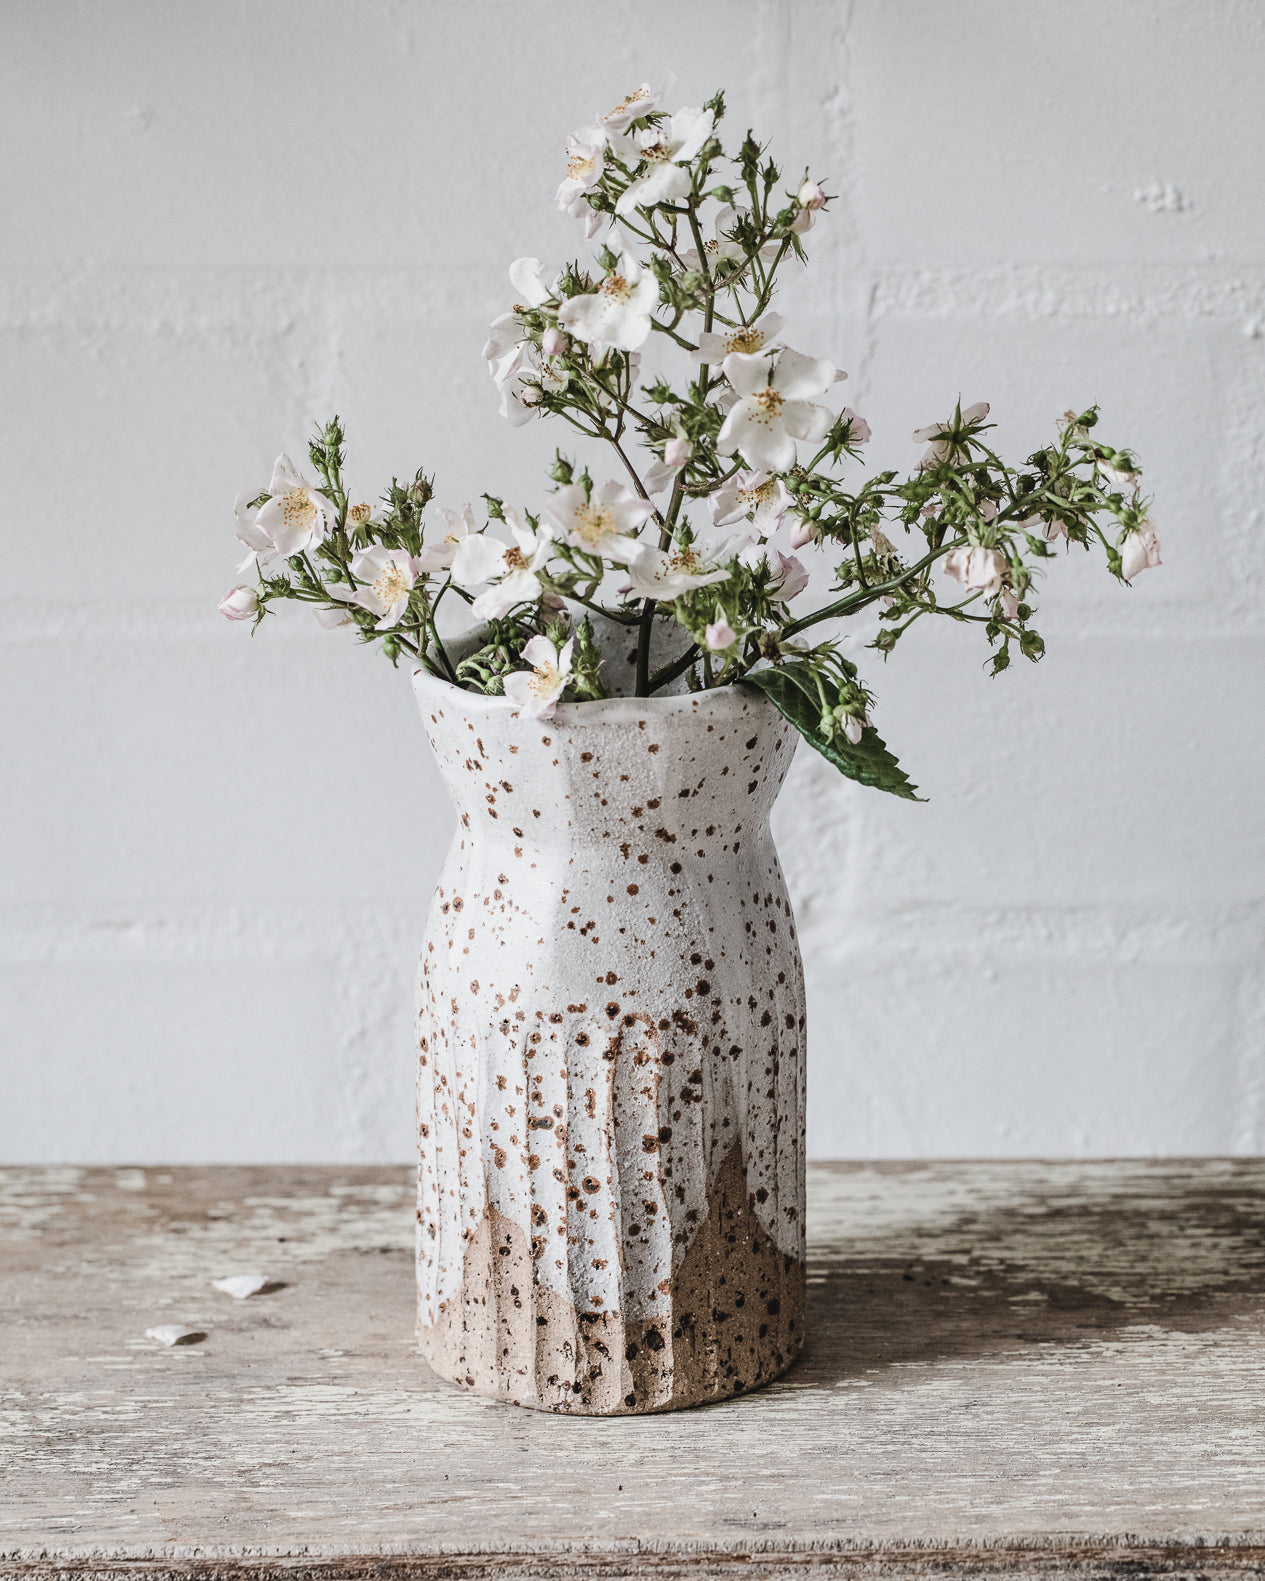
1011, 1369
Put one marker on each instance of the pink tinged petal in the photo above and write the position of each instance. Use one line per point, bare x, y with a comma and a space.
976, 413
527, 278
333, 619
719, 635
240, 603
797, 376
803, 420
564, 657
794, 577
519, 689
660, 184
478, 559
250, 533
658, 476
392, 616
859, 432
539, 651
746, 371
284, 476
434, 557
688, 130
763, 443
1139, 552
853, 728
677, 452
504, 334
581, 316
803, 533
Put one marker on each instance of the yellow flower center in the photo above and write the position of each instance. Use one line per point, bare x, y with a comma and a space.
639, 97
298, 509
593, 523
544, 678
755, 497
581, 166
616, 287
359, 514
769, 402
748, 340
390, 584
515, 560
686, 560
656, 154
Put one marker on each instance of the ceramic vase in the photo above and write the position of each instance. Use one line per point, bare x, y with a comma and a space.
611, 1067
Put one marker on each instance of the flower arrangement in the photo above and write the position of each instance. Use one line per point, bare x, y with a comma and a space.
714, 469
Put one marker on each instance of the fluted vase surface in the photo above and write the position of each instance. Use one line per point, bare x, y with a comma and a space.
611, 1062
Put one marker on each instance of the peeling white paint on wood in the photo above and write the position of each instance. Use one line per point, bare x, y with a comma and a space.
1012, 1368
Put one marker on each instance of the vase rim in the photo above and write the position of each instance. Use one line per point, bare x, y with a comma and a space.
606, 710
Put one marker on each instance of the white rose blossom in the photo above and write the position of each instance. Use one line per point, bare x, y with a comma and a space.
535, 692
787, 576
458, 526
762, 336
665, 574
755, 494
642, 101
657, 153
723, 244
605, 525
616, 314
938, 437
510, 567
296, 514
585, 161
772, 410
523, 378
390, 575
977, 568
260, 548
511, 355
1140, 551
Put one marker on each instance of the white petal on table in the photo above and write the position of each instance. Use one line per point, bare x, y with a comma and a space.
239, 1286
173, 1334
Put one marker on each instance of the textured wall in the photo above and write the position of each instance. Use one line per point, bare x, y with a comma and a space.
228, 220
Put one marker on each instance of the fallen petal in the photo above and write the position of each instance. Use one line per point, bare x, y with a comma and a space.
239, 1286
173, 1334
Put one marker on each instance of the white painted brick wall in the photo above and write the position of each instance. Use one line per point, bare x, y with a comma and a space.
224, 222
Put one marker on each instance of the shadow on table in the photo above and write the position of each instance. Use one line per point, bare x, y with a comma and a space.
1183, 1255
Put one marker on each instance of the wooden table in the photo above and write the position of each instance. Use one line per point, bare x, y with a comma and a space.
1013, 1369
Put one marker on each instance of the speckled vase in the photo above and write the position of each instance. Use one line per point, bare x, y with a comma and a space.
612, 1046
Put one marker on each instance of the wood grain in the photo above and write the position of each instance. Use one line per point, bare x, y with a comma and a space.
1011, 1369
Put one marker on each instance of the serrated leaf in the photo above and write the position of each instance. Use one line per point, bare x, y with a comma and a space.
792, 689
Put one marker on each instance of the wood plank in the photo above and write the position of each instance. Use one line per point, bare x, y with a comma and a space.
1013, 1368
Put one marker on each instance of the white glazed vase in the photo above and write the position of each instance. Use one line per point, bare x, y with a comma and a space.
612, 1049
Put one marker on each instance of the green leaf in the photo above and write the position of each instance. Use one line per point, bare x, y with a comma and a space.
792, 689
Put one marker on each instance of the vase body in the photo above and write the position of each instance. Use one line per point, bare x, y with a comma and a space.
612, 1056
